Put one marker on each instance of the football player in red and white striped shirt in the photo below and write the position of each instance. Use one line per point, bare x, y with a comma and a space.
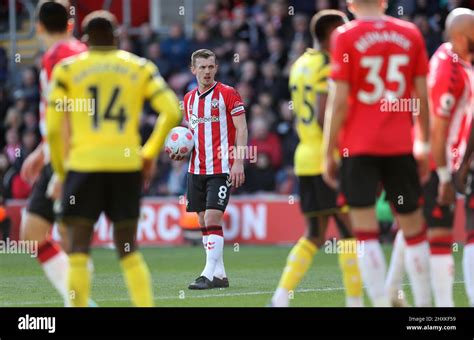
54, 28
216, 116
451, 95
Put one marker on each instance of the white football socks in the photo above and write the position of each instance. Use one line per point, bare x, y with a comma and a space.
417, 264
468, 269
396, 270
215, 246
372, 266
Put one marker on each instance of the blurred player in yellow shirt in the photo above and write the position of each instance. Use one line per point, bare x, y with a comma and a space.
309, 88
100, 93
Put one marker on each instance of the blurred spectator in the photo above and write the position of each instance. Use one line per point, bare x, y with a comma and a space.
163, 64
272, 82
3, 65
432, 37
249, 73
176, 184
145, 38
29, 86
287, 133
260, 176
280, 20
13, 146
301, 30
265, 141
201, 39
13, 120
176, 48
276, 52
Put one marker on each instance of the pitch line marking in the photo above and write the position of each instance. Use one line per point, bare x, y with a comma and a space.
205, 296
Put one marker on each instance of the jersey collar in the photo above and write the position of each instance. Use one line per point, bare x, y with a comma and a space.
204, 94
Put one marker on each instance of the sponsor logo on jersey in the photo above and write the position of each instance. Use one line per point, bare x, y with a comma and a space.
194, 121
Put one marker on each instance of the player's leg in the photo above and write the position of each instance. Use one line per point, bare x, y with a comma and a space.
196, 202
440, 220
301, 255
351, 276
36, 226
202, 224
217, 189
79, 216
401, 182
360, 176
468, 254
122, 206
396, 271
79, 279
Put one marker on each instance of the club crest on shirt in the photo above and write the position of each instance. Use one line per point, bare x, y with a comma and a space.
215, 103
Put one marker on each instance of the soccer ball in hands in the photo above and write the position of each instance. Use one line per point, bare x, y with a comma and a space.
179, 142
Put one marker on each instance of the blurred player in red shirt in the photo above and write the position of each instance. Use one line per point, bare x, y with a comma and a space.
450, 88
379, 67
54, 29
451, 98
451, 94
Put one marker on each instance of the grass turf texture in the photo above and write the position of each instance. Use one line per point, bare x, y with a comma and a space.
253, 272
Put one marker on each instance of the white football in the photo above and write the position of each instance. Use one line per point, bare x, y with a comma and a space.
179, 141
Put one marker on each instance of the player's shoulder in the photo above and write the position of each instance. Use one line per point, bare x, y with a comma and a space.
408, 28
226, 90
67, 63
61, 50
190, 93
310, 61
443, 64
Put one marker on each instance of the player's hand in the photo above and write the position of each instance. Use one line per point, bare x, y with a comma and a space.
237, 175
330, 172
148, 170
55, 188
32, 166
446, 194
176, 157
460, 177
424, 173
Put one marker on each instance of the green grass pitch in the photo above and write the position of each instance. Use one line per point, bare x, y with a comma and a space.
253, 272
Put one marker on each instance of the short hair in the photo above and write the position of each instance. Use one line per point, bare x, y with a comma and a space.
100, 27
323, 22
53, 16
202, 53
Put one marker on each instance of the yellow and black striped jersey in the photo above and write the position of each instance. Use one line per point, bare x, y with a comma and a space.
308, 77
102, 92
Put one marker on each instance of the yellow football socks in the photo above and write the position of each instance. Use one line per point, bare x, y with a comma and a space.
79, 280
138, 279
298, 262
349, 267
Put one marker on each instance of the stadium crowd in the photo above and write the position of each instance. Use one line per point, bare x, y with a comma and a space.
256, 43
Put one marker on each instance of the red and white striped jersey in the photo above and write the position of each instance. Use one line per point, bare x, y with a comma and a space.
451, 95
209, 115
59, 51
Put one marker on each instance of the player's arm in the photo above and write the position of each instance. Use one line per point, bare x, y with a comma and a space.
32, 165
163, 100
460, 178
237, 174
423, 116
321, 100
55, 120
422, 146
335, 115
321, 88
